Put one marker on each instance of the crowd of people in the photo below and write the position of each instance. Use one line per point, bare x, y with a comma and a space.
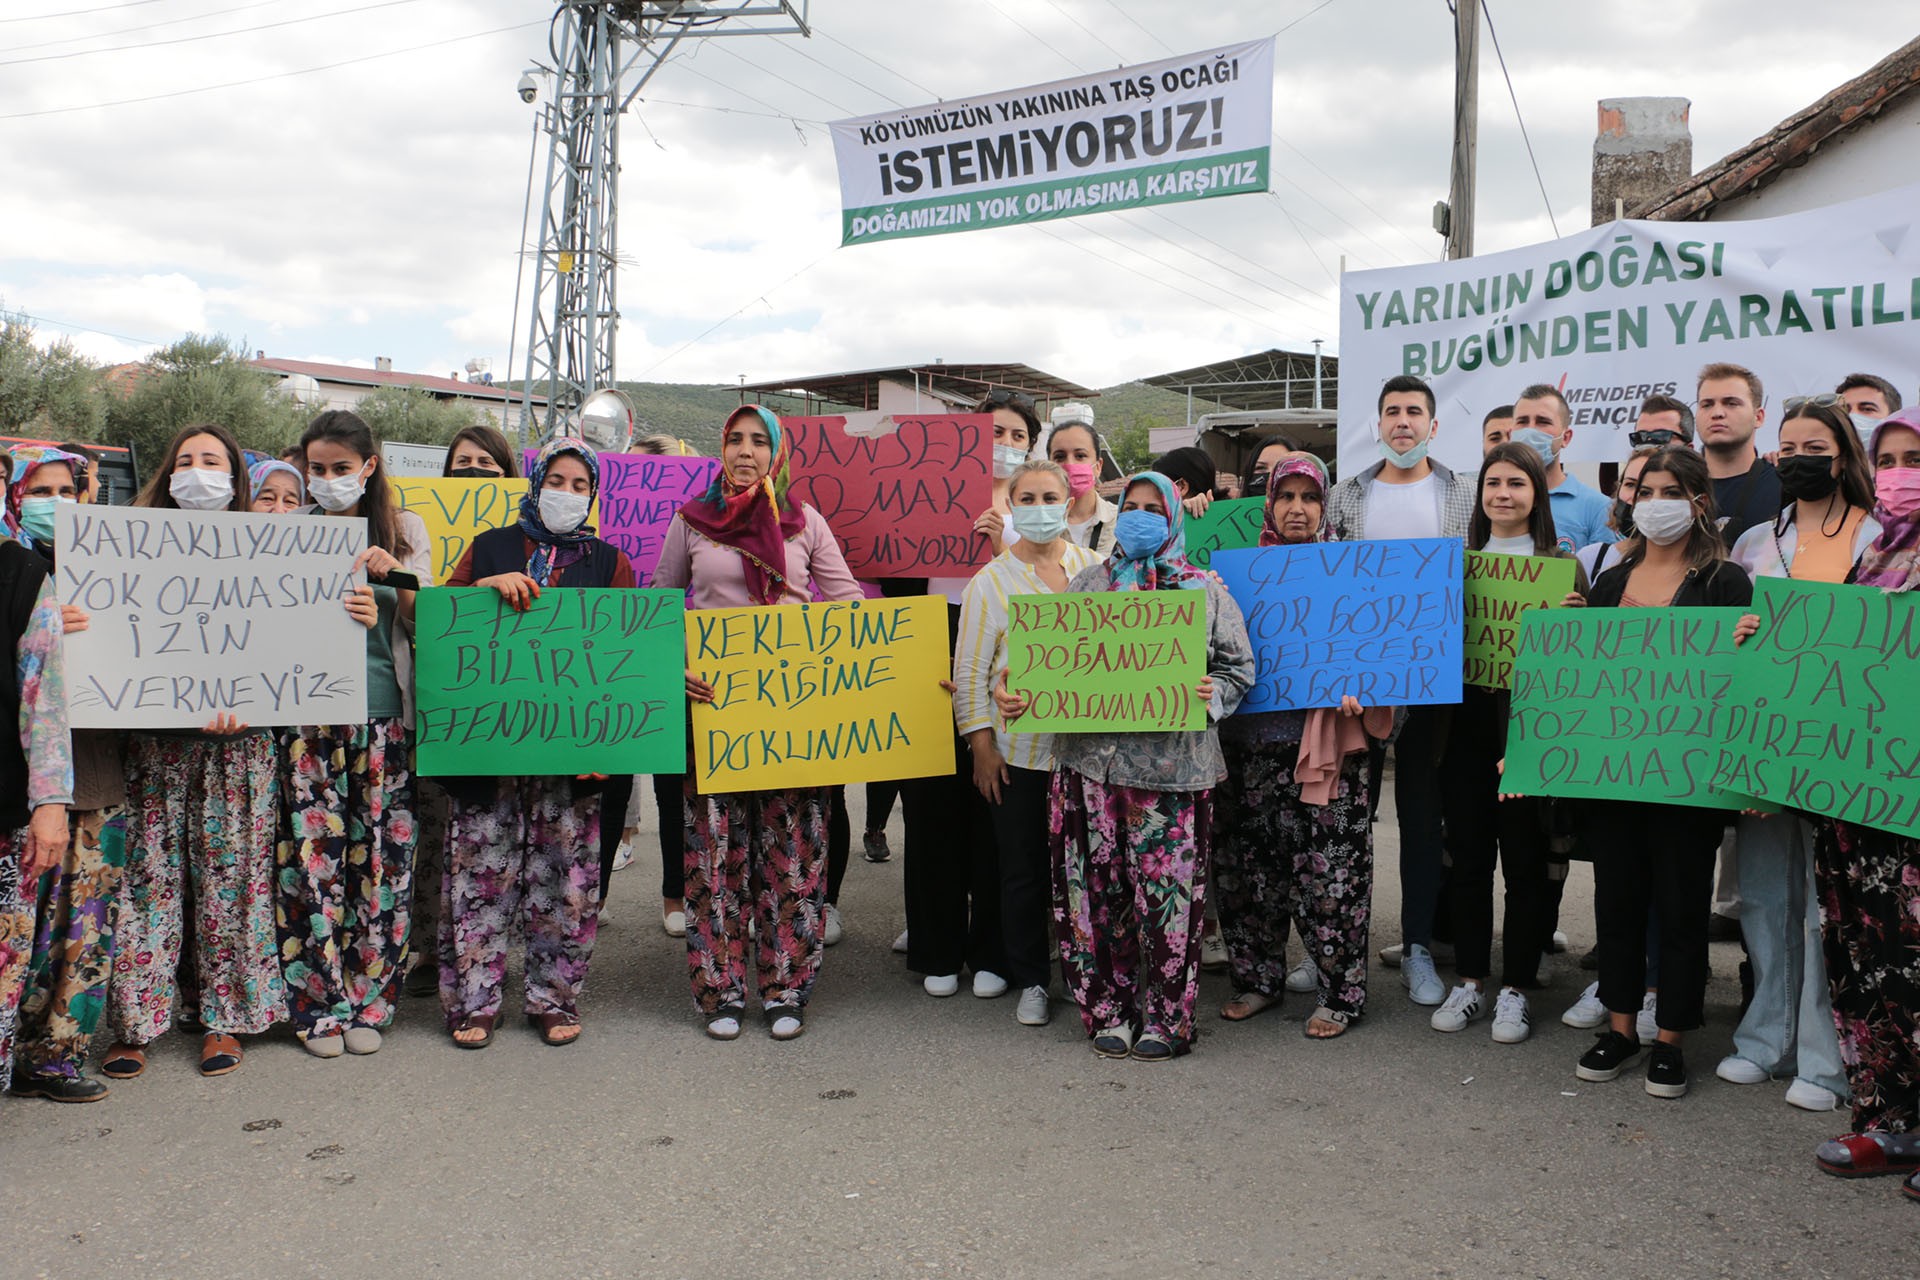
233, 878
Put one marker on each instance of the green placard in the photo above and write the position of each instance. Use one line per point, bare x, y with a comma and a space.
585, 681
1498, 590
1622, 704
1232, 525
1824, 718
1099, 661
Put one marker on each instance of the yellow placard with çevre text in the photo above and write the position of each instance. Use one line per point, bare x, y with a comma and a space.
813, 695
457, 510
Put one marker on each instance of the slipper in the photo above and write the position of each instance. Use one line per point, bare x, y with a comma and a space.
1911, 1187
124, 1062
549, 1023
480, 1022
219, 1054
1253, 1003
1339, 1019
1865, 1155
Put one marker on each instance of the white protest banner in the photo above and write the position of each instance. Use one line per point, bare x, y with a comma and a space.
412, 459
1185, 128
1617, 313
194, 613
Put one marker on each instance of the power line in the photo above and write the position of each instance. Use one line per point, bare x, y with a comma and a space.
210, 35
77, 328
151, 26
78, 13
898, 75
765, 71
1552, 221
1036, 37
278, 75
1089, 30
732, 315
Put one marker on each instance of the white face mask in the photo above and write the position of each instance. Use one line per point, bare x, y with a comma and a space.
1006, 457
562, 512
337, 493
1664, 521
201, 490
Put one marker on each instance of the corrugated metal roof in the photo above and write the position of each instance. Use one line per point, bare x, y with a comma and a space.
356, 376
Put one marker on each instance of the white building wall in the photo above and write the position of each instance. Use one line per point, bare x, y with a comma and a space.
1875, 156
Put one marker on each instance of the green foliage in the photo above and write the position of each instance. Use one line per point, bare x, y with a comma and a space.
1128, 412
202, 378
413, 416
51, 391
1129, 444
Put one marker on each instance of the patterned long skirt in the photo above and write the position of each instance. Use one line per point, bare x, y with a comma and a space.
16, 946
73, 947
1281, 864
759, 855
1869, 884
528, 857
345, 874
202, 818
1129, 899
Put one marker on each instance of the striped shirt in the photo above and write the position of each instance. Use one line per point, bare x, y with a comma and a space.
980, 653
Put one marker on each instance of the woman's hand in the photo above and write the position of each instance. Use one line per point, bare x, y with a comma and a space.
1745, 629
989, 766
1197, 505
590, 777
74, 619
226, 724
361, 606
377, 562
1574, 600
698, 690
1350, 707
46, 841
1205, 690
517, 589
1012, 705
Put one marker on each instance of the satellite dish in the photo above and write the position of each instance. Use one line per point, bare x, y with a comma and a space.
606, 420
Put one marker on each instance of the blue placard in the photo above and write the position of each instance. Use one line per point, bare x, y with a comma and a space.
1378, 620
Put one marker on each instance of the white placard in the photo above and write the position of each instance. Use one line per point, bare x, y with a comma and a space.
413, 459
195, 613
1624, 310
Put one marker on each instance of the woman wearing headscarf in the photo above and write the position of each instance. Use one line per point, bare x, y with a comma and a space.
1295, 850
72, 957
1868, 883
753, 856
278, 487
1131, 813
528, 848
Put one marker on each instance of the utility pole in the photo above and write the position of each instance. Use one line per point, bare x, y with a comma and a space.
1466, 127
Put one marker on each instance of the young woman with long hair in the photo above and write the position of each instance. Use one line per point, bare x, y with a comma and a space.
477, 453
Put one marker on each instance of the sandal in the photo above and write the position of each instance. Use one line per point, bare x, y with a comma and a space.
1866, 1155
1338, 1019
1911, 1187
1249, 1004
551, 1023
219, 1054
481, 1022
1154, 1047
124, 1062
1114, 1042
725, 1022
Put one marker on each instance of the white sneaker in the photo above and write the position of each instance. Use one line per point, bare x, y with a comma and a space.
675, 923
1213, 952
941, 984
1587, 1012
1304, 978
1033, 1011
1512, 1019
833, 931
1644, 1023
623, 856
988, 985
1808, 1096
1560, 943
1391, 956
1735, 1069
1462, 1007
900, 944
1422, 980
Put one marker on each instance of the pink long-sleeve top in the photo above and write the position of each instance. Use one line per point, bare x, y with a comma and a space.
716, 575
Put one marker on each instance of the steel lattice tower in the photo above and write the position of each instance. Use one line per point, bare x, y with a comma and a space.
604, 52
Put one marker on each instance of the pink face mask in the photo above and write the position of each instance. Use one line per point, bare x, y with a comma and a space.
1898, 491
1079, 477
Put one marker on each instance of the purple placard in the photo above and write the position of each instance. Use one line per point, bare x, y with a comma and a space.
639, 494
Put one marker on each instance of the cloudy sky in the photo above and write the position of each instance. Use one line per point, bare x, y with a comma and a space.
166, 177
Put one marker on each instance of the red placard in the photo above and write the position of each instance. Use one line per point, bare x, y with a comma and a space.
903, 499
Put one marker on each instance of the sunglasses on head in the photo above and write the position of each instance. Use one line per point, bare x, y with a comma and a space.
1004, 395
1659, 435
1795, 404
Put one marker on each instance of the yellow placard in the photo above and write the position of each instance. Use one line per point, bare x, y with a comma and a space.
811, 695
454, 510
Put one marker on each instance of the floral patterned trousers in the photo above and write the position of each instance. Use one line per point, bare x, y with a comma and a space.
1281, 863
345, 874
202, 814
759, 855
1130, 887
66, 988
16, 945
1869, 883
529, 856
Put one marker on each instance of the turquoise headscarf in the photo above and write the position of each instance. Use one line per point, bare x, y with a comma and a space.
1167, 568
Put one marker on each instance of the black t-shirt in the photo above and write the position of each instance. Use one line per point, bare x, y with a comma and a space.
1744, 501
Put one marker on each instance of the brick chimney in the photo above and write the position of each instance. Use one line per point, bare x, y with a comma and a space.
1644, 147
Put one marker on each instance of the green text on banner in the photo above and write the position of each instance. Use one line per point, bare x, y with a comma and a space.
1500, 589
1232, 525
1100, 661
585, 681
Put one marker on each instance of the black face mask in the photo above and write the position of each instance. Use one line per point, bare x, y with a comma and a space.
1623, 517
1257, 487
1807, 477
473, 473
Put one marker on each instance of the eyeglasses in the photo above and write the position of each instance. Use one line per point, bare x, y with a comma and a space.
1006, 395
1795, 404
1659, 435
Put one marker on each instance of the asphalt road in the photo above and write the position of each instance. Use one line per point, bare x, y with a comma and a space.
904, 1135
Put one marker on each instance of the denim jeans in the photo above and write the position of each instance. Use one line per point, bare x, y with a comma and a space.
1788, 1028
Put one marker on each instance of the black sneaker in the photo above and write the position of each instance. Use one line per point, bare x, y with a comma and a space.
58, 1088
1666, 1071
1611, 1054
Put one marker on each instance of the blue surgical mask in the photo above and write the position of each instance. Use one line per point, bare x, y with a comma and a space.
1040, 523
1866, 427
1140, 533
1541, 442
36, 518
1005, 458
1405, 461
